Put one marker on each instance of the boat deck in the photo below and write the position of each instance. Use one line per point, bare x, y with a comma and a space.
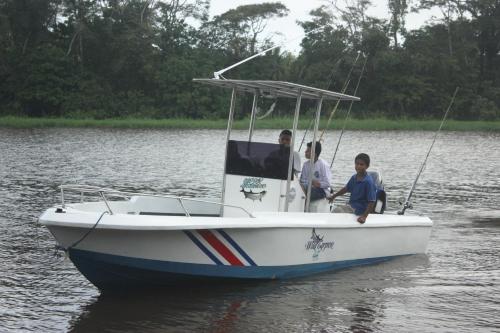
85, 219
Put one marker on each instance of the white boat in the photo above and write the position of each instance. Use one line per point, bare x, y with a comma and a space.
262, 227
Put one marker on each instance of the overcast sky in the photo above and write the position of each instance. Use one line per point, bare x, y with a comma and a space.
299, 10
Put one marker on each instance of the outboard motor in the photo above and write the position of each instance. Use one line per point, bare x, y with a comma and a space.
381, 197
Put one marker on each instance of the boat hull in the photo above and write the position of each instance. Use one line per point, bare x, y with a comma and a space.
112, 272
159, 250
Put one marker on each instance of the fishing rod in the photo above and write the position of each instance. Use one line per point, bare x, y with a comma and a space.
344, 88
349, 111
335, 67
312, 120
271, 109
305, 133
407, 203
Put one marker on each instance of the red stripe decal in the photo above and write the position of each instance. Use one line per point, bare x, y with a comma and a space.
220, 247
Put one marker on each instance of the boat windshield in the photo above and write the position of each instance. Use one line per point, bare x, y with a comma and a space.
257, 159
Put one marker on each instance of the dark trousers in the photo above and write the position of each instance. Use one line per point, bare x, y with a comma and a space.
317, 193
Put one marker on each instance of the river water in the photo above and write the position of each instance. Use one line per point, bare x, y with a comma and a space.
455, 287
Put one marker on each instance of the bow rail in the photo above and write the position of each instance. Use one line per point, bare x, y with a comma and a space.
105, 193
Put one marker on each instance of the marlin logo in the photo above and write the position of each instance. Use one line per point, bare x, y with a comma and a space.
251, 184
315, 237
253, 195
317, 245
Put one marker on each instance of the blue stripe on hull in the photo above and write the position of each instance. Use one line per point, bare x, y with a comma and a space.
113, 272
203, 247
237, 247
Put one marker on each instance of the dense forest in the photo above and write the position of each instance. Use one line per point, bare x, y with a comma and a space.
136, 58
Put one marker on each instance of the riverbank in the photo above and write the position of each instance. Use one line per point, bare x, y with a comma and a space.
271, 123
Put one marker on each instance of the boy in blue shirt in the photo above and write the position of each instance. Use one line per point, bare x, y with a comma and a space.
362, 189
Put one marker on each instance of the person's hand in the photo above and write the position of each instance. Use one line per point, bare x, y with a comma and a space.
330, 200
316, 183
362, 219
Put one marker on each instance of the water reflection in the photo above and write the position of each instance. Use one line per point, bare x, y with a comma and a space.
214, 308
364, 317
321, 303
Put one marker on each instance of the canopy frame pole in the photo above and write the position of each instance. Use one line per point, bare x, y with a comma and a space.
228, 135
252, 117
313, 154
292, 149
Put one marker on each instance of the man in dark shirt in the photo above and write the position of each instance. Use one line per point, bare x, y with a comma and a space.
285, 139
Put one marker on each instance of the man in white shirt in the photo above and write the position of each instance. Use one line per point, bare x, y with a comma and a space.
322, 175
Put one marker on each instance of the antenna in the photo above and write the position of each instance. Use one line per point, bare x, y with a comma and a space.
218, 74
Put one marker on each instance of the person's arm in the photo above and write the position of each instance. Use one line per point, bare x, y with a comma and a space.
342, 191
347, 188
369, 209
326, 176
303, 177
371, 194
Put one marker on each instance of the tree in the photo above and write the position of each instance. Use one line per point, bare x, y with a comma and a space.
26, 23
323, 48
120, 58
448, 9
398, 10
353, 17
80, 14
173, 28
44, 79
239, 29
486, 16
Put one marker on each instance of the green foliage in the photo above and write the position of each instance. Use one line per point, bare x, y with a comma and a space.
137, 58
42, 79
485, 109
277, 123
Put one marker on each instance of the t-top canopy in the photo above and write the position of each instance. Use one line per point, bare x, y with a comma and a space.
278, 89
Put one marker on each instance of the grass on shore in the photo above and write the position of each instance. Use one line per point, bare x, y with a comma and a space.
375, 124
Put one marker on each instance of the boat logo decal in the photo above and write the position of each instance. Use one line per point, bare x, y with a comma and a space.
253, 188
317, 244
220, 247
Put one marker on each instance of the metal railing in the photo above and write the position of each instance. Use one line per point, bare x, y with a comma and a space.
104, 193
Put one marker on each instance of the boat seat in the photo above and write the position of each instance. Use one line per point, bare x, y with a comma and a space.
377, 179
381, 197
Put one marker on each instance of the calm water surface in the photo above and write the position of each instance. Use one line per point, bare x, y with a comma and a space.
454, 288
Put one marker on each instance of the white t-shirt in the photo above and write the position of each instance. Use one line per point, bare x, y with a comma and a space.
296, 161
321, 173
